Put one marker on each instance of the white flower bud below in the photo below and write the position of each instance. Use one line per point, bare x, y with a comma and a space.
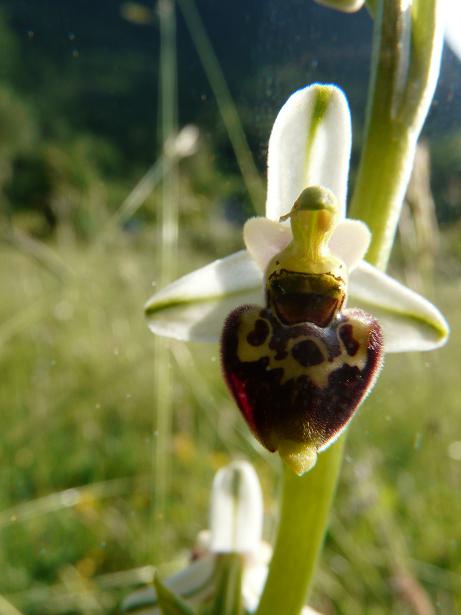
236, 516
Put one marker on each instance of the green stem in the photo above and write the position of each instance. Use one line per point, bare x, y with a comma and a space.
306, 503
167, 256
406, 57
407, 47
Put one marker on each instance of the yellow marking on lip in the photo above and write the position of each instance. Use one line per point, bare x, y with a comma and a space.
292, 369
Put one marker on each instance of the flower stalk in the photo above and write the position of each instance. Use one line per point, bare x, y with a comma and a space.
305, 504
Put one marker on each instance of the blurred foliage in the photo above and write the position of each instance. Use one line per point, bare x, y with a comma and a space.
83, 90
76, 486
64, 185
17, 125
446, 176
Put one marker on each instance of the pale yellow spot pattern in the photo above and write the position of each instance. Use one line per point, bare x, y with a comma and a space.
290, 367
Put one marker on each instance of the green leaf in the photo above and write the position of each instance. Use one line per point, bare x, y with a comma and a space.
228, 596
170, 603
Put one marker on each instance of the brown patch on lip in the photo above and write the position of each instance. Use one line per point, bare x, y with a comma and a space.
307, 353
346, 333
258, 336
281, 401
281, 336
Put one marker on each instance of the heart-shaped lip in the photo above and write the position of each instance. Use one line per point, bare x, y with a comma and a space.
298, 386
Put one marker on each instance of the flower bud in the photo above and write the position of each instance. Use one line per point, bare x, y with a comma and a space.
236, 516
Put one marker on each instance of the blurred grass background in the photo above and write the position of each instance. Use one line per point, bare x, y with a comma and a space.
76, 480
79, 524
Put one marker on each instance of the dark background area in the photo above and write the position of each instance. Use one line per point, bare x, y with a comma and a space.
84, 67
96, 71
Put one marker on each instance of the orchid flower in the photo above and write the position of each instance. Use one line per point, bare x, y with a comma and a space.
308, 162
236, 520
309, 146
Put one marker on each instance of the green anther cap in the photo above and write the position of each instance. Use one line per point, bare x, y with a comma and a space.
314, 198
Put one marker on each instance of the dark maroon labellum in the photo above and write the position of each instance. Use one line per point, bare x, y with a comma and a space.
299, 384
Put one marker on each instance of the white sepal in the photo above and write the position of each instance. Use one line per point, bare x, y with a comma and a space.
309, 145
409, 321
195, 306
